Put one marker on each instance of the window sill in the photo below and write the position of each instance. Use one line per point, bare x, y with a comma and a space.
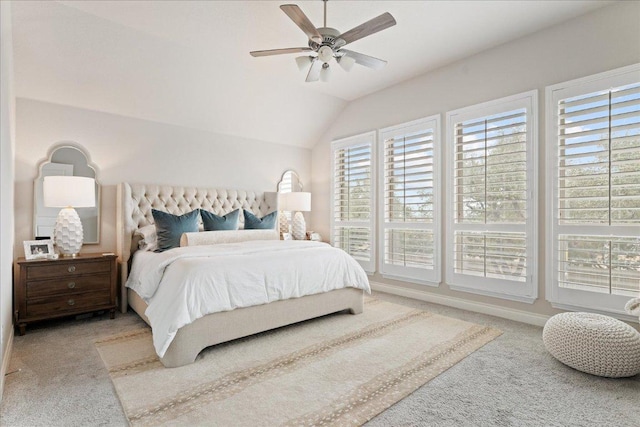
518, 298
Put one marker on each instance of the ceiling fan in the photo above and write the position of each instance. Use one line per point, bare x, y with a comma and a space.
327, 43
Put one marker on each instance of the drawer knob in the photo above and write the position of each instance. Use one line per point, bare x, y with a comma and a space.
71, 285
71, 302
71, 268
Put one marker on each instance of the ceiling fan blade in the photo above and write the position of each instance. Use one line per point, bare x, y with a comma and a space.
279, 51
370, 27
314, 71
297, 15
366, 60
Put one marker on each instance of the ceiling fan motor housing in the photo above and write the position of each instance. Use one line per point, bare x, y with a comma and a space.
329, 36
326, 50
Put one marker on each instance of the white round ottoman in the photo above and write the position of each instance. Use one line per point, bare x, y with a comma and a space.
593, 343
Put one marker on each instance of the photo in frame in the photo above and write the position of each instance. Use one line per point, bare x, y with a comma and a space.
38, 249
312, 235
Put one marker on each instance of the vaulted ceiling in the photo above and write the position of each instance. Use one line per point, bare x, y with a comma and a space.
187, 62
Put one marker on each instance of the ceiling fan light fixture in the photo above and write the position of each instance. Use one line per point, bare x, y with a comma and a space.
325, 54
303, 62
325, 73
346, 62
326, 43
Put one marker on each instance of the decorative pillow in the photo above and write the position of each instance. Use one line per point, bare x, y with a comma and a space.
227, 236
252, 222
213, 222
148, 238
169, 227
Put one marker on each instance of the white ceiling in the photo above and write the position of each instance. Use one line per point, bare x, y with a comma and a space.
187, 62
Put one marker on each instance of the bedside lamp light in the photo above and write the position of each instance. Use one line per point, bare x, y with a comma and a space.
297, 202
68, 192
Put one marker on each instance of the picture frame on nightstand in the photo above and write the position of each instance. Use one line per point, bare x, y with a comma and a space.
38, 249
313, 236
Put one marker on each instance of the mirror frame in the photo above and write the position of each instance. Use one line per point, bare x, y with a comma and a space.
90, 165
294, 174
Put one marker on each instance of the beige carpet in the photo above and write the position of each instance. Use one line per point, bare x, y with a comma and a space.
341, 369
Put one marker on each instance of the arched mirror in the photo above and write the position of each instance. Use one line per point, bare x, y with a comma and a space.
290, 182
66, 160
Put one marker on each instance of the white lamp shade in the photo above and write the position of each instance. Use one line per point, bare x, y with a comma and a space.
295, 201
346, 62
325, 73
325, 54
63, 191
303, 62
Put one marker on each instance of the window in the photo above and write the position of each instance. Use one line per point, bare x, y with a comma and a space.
593, 133
409, 183
353, 216
491, 194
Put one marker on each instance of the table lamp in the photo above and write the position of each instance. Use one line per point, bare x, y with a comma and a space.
68, 192
297, 202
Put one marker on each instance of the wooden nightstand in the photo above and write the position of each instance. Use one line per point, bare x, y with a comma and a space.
46, 289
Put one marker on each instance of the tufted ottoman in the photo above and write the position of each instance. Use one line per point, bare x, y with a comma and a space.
593, 343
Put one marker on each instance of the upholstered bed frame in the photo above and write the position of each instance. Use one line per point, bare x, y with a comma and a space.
134, 205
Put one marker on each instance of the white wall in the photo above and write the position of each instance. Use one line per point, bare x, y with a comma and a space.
602, 40
7, 147
139, 151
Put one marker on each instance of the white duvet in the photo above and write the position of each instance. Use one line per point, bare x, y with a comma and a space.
183, 284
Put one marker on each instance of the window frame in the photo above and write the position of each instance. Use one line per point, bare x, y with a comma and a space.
565, 298
522, 291
411, 274
360, 139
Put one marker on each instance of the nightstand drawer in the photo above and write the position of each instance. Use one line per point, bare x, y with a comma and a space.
61, 269
67, 303
72, 284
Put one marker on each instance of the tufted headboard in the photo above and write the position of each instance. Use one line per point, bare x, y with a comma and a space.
135, 201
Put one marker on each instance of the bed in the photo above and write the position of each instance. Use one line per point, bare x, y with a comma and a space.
134, 211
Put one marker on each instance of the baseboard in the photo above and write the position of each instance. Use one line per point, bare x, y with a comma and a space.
6, 358
478, 307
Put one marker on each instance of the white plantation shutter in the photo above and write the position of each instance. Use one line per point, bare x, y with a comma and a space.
599, 157
490, 197
491, 169
353, 198
594, 239
603, 265
491, 254
409, 182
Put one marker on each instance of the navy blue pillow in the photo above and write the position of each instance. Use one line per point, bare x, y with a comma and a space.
169, 228
252, 222
213, 222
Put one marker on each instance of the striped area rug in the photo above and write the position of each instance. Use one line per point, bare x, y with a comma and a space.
340, 369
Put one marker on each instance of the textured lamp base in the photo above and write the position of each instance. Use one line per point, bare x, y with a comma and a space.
68, 233
299, 227
283, 223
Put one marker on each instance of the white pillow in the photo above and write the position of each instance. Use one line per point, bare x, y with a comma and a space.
149, 239
226, 236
